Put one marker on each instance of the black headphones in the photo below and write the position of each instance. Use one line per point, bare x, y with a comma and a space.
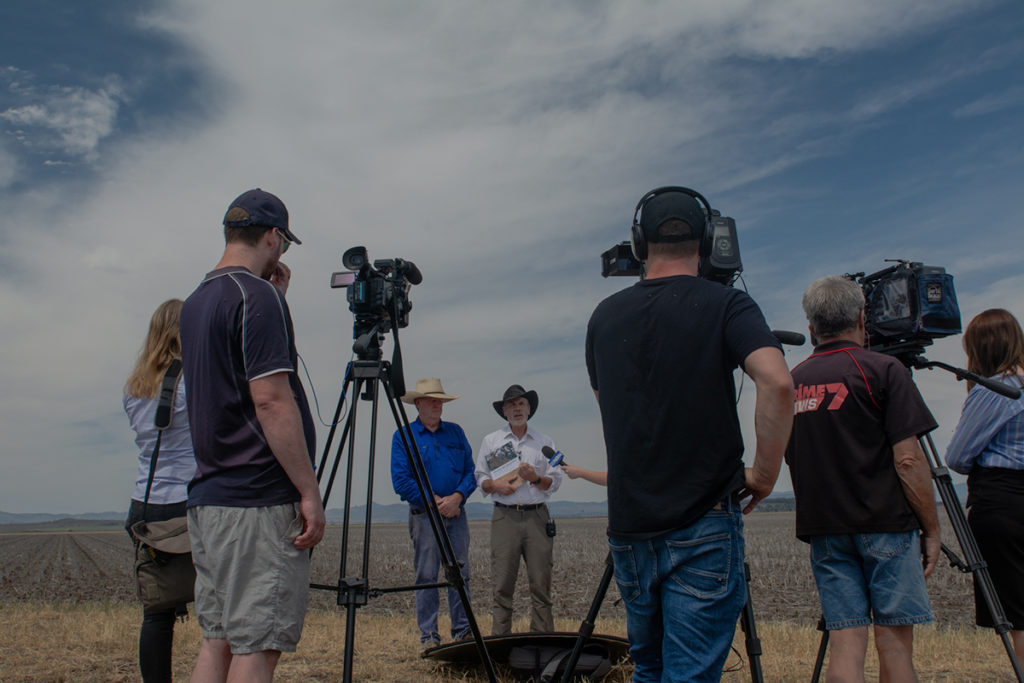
639, 240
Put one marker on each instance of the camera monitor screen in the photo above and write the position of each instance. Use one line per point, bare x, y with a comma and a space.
342, 279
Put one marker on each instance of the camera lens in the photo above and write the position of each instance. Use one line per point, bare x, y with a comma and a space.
354, 258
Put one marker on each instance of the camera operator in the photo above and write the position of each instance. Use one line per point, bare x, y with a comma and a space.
661, 356
862, 486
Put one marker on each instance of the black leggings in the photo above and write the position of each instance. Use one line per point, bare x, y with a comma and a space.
156, 637
155, 640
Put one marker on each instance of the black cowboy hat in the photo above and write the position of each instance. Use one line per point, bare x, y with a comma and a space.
517, 391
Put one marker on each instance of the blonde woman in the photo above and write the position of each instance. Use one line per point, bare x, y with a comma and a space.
175, 466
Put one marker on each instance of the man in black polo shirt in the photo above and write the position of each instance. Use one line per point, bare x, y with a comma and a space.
661, 356
862, 486
254, 505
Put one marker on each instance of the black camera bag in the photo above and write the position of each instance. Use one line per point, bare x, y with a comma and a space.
546, 663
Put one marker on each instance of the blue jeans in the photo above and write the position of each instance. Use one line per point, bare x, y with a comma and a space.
683, 592
427, 562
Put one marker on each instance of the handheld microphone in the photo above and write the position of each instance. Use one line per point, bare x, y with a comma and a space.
555, 458
790, 338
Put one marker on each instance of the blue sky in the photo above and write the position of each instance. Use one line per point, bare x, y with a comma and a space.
501, 147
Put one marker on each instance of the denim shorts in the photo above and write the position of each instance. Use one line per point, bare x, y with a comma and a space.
870, 578
252, 582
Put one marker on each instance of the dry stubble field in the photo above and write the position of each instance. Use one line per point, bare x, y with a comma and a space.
44, 575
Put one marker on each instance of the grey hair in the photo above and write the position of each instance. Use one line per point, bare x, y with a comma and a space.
832, 305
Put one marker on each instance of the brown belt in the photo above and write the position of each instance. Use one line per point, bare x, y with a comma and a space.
520, 508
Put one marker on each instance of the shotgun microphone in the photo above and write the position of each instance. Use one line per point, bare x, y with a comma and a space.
790, 338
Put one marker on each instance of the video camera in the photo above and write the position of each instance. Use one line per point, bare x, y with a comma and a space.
719, 247
378, 294
907, 306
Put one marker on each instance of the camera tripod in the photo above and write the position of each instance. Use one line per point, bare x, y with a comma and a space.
752, 642
365, 378
912, 357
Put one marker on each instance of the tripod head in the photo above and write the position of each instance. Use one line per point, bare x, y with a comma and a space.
912, 356
367, 345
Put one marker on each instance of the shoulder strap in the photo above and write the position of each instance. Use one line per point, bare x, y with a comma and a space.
169, 386
164, 413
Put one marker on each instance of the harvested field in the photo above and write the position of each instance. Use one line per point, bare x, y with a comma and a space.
84, 567
68, 612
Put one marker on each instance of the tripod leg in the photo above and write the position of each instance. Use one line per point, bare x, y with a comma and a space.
587, 627
753, 643
972, 555
822, 648
354, 592
330, 434
452, 570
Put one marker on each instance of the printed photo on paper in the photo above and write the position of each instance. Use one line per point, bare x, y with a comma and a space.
502, 461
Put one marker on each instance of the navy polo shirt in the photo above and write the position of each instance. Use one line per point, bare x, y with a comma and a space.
236, 327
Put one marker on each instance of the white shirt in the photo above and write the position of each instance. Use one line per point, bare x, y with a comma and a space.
529, 450
176, 463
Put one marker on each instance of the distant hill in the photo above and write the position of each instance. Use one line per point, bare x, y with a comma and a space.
395, 512
782, 503
63, 524
399, 512
42, 517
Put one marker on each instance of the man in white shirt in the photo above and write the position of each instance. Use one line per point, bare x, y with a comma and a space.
511, 467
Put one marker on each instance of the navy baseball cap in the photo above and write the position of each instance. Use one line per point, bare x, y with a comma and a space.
259, 208
668, 206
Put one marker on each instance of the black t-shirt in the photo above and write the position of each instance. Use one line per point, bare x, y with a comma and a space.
661, 355
851, 406
235, 328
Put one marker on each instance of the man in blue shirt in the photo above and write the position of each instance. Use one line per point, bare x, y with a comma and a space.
448, 461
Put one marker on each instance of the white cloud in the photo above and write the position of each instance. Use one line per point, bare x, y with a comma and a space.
73, 119
803, 28
501, 147
8, 166
1006, 98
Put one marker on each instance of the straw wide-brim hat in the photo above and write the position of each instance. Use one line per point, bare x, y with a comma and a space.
428, 387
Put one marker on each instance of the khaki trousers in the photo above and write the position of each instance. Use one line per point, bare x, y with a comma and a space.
516, 534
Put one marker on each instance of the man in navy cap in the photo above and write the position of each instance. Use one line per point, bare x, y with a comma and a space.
254, 505
512, 468
661, 356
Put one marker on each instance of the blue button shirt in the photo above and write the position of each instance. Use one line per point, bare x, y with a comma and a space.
446, 456
991, 430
